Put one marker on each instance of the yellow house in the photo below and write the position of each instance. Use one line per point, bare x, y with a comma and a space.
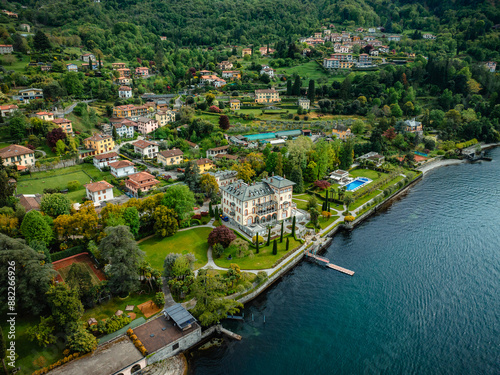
130, 111
170, 157
234, 104
17, 155
246, 51
100, 143
267, 96
204, 164
47, 116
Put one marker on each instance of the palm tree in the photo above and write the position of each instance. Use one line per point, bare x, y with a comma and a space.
348, 200
341, 192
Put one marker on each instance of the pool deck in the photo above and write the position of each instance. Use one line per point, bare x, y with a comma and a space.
359, 186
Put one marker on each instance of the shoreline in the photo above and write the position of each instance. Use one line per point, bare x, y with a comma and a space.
440, 163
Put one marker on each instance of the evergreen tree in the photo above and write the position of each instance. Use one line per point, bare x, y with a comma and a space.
115, 133
275, 247
279, 165
192, 175
296, 176
216, 213
296, 86
210, 209
282, 228
289, 87
41, 41
287, 243
268, 237
311, 92
293, 227
257, 244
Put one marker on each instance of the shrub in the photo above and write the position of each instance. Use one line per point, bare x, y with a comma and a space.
349, 218
194, 222
261, 240
159, 299
222, 235
73, 185
197, 216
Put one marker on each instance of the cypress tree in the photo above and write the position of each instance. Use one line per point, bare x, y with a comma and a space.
289, 87
328, 207
257, 244
275, 247
287, 243
216, 212
293, 227
311, 92
210, 209
268, 237
281, 236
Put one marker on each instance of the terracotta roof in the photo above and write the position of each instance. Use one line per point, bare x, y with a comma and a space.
204, 161
98, 137
226, 156
124, 88
98, 186
30, 201
105, 156
192, 144
44, 113
61, 121
142, 176
14, 150
143, 144
6, 107
142, 180
219, 148
170, 153
120, 164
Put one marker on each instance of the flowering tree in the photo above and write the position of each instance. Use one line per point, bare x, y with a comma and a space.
214, 108
322, 184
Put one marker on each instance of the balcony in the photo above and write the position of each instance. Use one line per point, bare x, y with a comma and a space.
231, 213
266, 204
268, 211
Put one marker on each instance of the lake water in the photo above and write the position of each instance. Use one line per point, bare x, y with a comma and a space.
425, 298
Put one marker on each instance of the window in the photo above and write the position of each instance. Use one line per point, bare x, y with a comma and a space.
175, 346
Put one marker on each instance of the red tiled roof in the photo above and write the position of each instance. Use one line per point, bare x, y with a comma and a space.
120, 164
61, 121
98, 137
124, 88
170, 153
14, 150
6, 107
143, 144
204, 161
98, 186
106, 156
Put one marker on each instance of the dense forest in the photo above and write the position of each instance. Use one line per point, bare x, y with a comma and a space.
126, 26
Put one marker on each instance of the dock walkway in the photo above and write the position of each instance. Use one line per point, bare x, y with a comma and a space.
328, 264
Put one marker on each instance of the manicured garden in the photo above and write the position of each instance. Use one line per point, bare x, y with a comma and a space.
59, 178
188, 241
264, 259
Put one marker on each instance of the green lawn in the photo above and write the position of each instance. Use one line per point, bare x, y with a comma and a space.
309, 70
189, 241
373, 175
326, 222
59, 178
265, 258
107, 309
28, 351
362, 201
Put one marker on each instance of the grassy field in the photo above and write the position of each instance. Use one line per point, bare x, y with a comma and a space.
310, 70
59, 178
189, 241
264, 259
107, 309
64, 273
28, 351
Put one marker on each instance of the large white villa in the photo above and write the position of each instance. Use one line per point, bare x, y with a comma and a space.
248, 206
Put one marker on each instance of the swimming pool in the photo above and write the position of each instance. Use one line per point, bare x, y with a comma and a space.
357, 183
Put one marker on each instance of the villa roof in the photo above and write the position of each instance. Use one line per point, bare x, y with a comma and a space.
246, 192
171, 153
223, 175
203, 161
30, 201
14, 150
106, 156
179, 315
98, 186
98, 137
221, 148
61, 121
143, 144
120, 164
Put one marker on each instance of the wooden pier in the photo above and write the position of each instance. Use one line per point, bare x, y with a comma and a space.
327, 263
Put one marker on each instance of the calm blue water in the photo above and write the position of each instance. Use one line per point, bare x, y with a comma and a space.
354, 184
425, 298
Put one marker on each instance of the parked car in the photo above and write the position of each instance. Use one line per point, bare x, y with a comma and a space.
224, 218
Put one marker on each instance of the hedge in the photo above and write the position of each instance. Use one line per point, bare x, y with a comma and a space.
68, 253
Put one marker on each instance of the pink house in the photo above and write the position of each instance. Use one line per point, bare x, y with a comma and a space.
142, 71
146, 125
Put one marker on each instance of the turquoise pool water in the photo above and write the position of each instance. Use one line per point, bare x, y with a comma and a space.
420, 153
356, 183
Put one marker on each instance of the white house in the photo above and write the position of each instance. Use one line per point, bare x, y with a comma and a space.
394, 38
125, 92
7, 110
491, 66
99, 191
6, 48
219, 82
103, 160
217, 151
72, 67
304, 103
429, 36
125, 129
122, 168
372, 30
268, 71
145, 148
87, 56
